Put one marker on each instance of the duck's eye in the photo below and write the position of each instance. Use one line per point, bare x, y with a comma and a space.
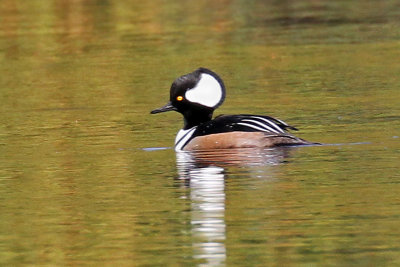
179, 98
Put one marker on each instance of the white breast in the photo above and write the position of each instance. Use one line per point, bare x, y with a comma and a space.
182, 137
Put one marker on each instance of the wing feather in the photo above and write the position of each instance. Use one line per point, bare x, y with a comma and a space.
244, 123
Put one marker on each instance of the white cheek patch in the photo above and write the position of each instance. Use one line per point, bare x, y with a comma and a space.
207, 92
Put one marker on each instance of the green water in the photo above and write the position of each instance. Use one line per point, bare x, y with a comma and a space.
81, 183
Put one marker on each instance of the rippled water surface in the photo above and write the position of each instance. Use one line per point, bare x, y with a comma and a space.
89, 177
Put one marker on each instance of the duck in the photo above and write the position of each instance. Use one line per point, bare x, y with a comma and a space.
197, 95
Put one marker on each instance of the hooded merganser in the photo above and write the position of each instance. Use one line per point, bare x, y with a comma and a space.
196, 95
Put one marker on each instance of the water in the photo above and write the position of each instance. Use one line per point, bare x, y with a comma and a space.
88, 176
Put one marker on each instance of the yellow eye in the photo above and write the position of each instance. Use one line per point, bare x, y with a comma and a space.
179, 98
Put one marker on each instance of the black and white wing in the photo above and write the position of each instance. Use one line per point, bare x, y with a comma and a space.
263, 123
244, 123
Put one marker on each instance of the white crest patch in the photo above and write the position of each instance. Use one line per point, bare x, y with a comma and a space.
207, 92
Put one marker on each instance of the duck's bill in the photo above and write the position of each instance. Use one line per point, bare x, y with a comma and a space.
167, 107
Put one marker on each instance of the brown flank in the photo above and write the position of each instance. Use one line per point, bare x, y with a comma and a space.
243, 140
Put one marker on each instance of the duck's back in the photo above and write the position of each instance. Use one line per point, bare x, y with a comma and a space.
240, 131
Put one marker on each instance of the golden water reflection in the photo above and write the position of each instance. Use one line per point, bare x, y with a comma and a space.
78, 79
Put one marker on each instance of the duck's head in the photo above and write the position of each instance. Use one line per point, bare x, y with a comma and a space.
195, 95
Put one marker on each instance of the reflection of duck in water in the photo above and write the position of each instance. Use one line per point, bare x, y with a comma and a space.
205, 173
196, 95
207, 211
239, 157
